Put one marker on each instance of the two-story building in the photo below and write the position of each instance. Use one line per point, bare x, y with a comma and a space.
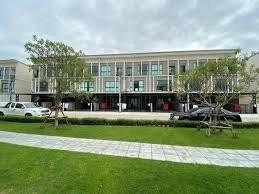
15, 81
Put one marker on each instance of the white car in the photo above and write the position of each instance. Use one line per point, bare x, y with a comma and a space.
23, 109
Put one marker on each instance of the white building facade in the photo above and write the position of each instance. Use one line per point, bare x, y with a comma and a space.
15, 81
138, 80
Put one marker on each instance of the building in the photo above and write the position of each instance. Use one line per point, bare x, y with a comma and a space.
141, 81
15, 81
253, 62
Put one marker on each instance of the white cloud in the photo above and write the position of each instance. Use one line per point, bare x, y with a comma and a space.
108, 26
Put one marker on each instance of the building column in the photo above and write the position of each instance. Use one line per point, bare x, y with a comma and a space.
149, 77
132, 76
115, 76
178, 70
99, 77
168, 76
124, 75
140, 68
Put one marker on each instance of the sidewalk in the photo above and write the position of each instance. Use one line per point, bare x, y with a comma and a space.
182, 154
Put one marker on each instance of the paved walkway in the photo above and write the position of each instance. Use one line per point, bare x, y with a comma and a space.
183, 154
140, 115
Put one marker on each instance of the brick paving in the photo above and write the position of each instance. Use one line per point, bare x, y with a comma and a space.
182, 154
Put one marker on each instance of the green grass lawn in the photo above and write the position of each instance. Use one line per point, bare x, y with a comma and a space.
33, 170
249, 138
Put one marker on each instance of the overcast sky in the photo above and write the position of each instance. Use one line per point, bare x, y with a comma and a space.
115, 26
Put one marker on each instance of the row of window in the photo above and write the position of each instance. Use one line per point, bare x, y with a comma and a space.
109, 86
136, 86
112, 86
105, 70
143, 69
156, 68
7, 73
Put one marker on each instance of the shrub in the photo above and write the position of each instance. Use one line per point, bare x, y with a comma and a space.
123, 122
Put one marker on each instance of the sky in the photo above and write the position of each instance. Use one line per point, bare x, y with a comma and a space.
120, 26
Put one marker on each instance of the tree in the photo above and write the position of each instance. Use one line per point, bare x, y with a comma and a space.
64, 62
83, 97
214, 84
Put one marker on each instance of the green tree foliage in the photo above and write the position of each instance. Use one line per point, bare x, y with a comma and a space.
65, 62
215, 84
82, 96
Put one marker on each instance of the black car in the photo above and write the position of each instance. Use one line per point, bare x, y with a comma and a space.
200, 113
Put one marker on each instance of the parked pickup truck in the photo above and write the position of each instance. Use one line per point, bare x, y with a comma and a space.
23, 109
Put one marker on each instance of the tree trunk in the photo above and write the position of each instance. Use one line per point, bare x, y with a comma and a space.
57, 109
210, 111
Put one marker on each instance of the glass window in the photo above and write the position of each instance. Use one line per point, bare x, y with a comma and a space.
139, 86
7, 73
43, 86
36, 72
162, 85
110, 86
105, 70
171, 70
5, 87
138, 69
87, 86
192, 64
202, 61
95, 70
145, 68
156, 69
129, 71
1, 72
119, 71
7, 105
172, 67
12, 105
182, 67
18, 105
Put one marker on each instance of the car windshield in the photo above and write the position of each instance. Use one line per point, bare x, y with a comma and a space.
226, 111
192, 110
7, 105
202, 110
31, 105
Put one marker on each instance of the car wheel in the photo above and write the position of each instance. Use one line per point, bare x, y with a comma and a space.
28, 114
1, 114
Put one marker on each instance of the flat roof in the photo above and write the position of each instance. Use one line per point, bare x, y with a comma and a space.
162, 53
4, 61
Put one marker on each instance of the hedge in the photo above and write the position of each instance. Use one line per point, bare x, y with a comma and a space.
123, 122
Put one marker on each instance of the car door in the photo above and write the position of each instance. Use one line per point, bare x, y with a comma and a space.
10, 109
19, 109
